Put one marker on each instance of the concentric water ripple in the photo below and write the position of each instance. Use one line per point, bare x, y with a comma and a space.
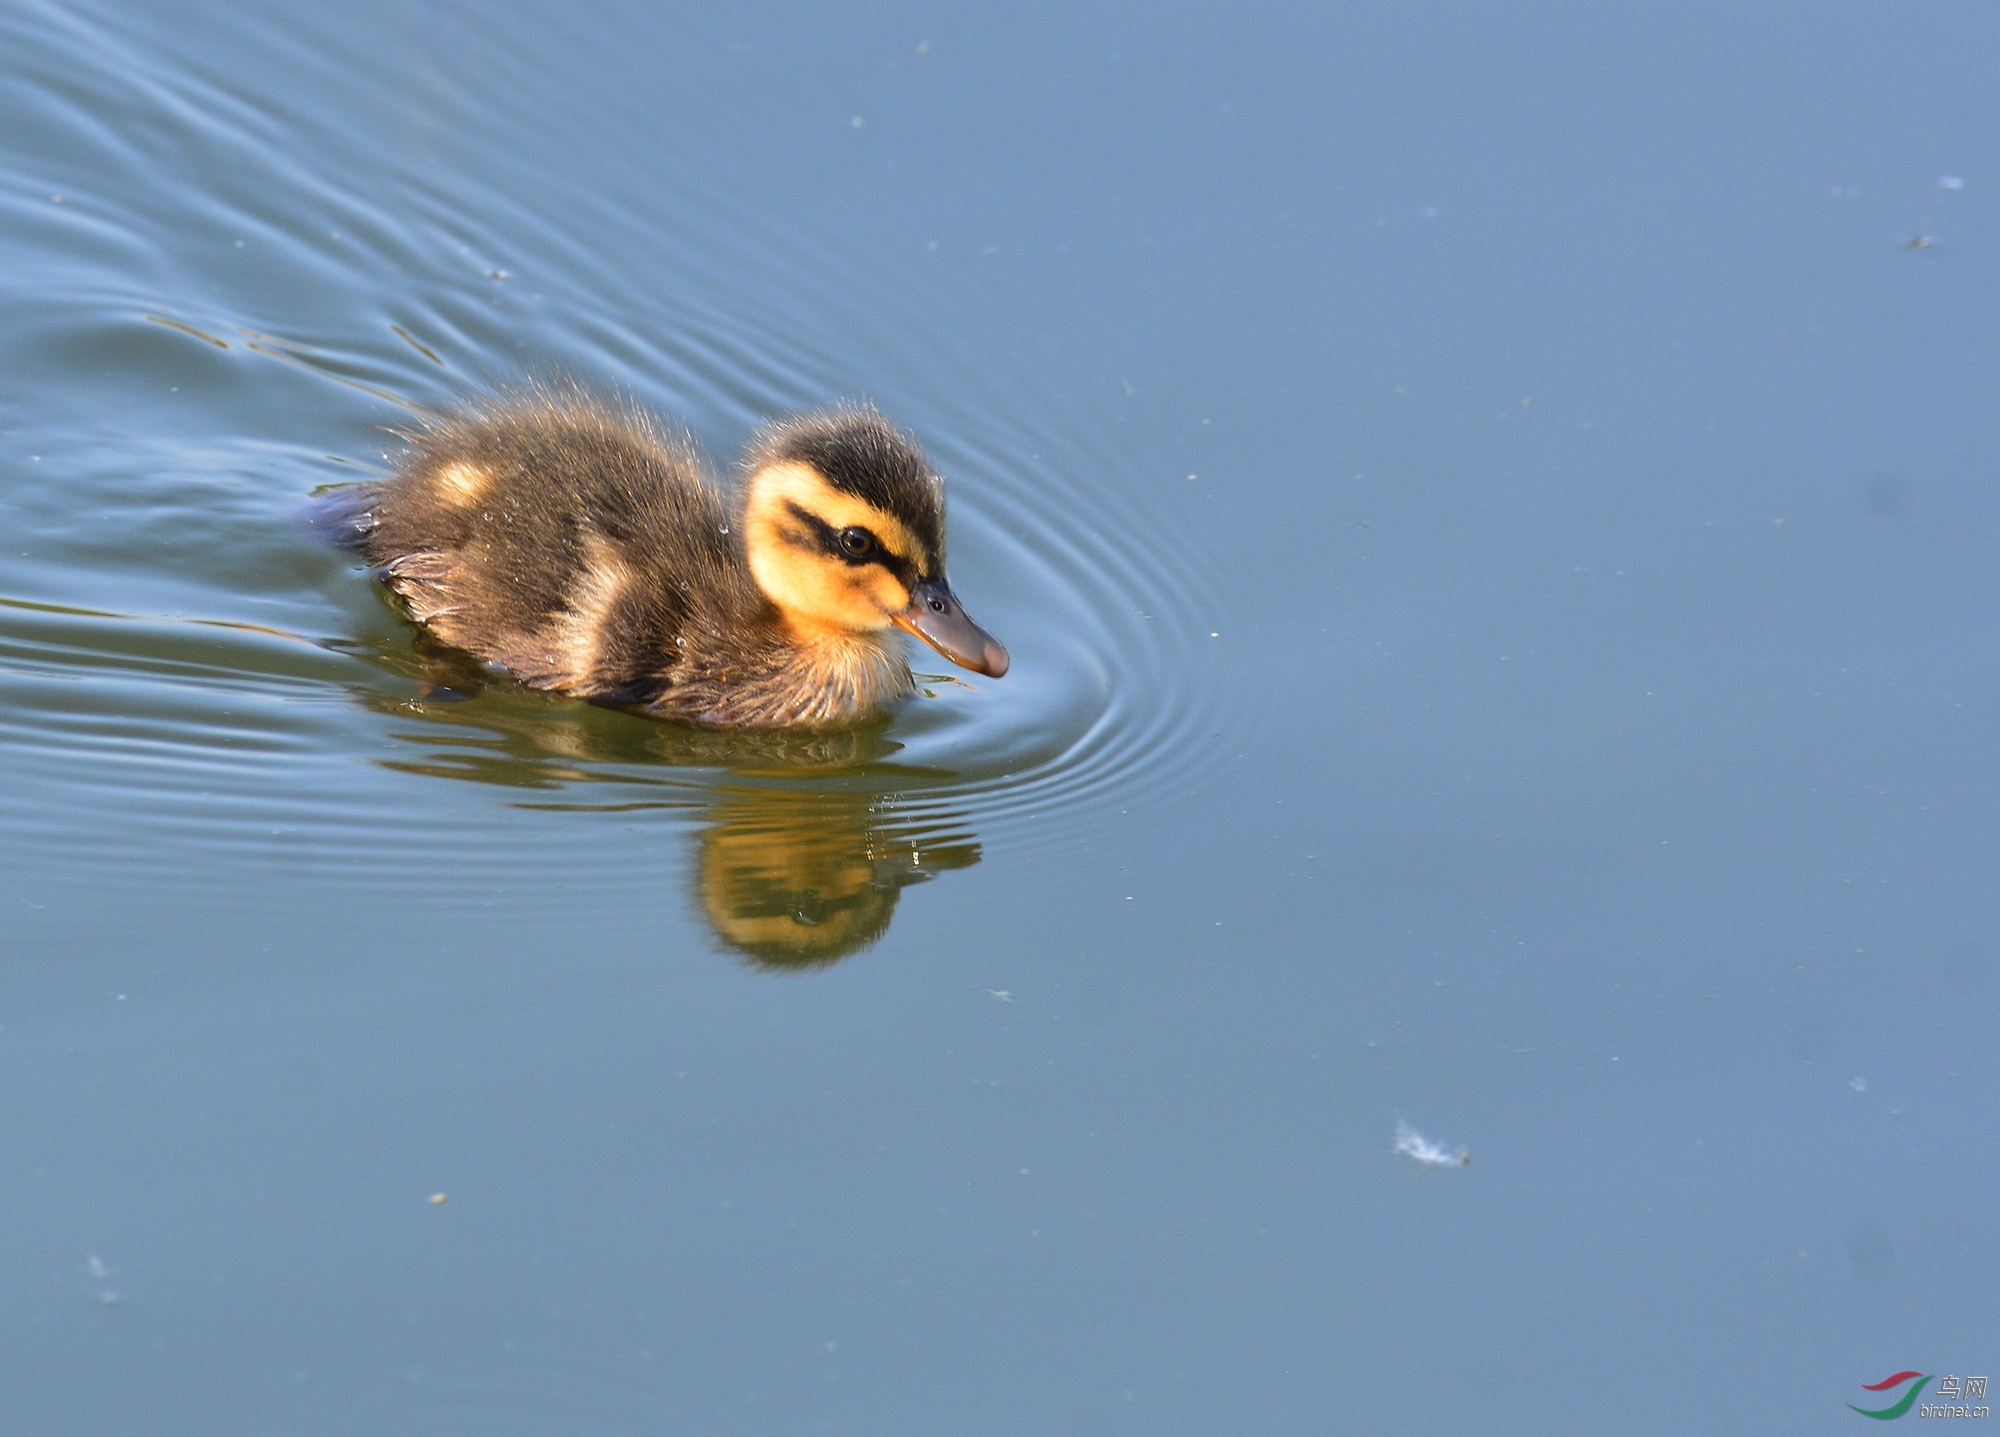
175, 648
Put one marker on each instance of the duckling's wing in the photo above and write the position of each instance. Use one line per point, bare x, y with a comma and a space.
564, 541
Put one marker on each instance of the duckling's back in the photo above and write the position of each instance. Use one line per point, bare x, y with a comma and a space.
570, 543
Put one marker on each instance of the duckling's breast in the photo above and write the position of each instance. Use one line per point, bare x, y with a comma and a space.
839, 680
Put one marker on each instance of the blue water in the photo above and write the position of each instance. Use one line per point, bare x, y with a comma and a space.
1494, 515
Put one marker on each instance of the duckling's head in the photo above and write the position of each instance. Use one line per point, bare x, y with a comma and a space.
843, 525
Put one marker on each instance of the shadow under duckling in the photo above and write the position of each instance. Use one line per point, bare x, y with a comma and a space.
581, 548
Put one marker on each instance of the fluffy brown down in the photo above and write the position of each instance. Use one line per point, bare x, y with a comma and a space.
582, 548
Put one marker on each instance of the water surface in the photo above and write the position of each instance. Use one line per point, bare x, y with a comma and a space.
1493, 513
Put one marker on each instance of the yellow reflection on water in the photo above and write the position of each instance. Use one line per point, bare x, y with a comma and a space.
799, 879
804, 841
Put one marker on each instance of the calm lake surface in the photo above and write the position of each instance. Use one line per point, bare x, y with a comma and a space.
1495, 515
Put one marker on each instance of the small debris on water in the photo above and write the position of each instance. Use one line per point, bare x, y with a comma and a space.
100, 1270
1416, 1146
1951, 182
1860, 1085
440, 1199
1921, 242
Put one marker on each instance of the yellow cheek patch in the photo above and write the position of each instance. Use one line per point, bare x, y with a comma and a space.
461, 483
887, 592
815, 590
801, 484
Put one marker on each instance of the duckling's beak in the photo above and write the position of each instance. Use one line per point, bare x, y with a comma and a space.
936, 617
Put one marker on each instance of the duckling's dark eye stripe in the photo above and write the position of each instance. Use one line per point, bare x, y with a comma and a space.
828, 539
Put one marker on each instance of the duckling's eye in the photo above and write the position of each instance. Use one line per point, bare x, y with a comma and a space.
857, 543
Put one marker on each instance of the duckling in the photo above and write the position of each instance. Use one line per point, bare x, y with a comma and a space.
580, 547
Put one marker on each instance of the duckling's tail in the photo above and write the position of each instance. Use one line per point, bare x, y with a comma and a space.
341, 516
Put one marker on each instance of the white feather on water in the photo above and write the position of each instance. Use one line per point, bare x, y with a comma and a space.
1414, 1145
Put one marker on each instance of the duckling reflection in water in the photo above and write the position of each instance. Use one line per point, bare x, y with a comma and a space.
789, 874
801, 880
580, 548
